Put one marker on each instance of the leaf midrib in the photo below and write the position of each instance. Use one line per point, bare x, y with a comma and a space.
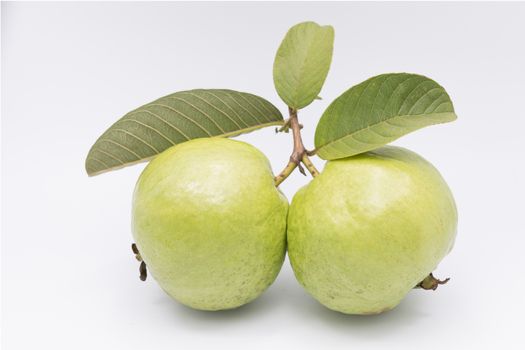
433, 115
309, 52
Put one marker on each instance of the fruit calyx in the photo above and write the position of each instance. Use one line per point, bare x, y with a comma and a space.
299, 153
431, 283
142, 268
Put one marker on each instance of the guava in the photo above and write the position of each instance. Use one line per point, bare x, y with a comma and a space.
369, 228
209, 222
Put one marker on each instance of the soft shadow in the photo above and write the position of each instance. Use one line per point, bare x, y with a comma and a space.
409, 312
266, 304
287, 296
413, 309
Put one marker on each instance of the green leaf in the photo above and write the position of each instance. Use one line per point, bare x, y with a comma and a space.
378, 111
148, 130
302, 63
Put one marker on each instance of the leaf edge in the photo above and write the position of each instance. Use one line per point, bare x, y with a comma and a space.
452, 117
147, 159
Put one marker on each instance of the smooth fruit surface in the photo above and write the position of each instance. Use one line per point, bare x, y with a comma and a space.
210, 223
369, 228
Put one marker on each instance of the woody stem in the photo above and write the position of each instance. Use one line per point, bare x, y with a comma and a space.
299, 153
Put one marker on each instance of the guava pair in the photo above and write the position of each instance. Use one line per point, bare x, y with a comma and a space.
213, 228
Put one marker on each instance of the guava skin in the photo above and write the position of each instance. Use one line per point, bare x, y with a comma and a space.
369, 228
210, 223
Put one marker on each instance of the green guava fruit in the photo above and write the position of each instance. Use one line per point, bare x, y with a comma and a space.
369, 228
210, 223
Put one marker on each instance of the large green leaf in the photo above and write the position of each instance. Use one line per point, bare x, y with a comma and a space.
302, 63
182, 116
378, 111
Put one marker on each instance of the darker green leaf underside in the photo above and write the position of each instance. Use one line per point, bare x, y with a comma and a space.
148, 130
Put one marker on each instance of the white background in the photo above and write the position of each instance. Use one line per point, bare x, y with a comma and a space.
69, 279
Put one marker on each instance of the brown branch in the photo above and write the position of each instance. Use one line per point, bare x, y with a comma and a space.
299, 153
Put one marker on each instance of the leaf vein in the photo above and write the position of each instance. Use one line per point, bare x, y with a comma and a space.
421, 97
227, 92
109, 155
149, 127
258, 110
121, 146
183, 115
198, 109
214, 107
137, 138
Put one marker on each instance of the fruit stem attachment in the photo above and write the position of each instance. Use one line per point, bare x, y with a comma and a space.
431, 283
299, 153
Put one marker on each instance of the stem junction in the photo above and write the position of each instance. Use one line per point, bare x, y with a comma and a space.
299, 154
